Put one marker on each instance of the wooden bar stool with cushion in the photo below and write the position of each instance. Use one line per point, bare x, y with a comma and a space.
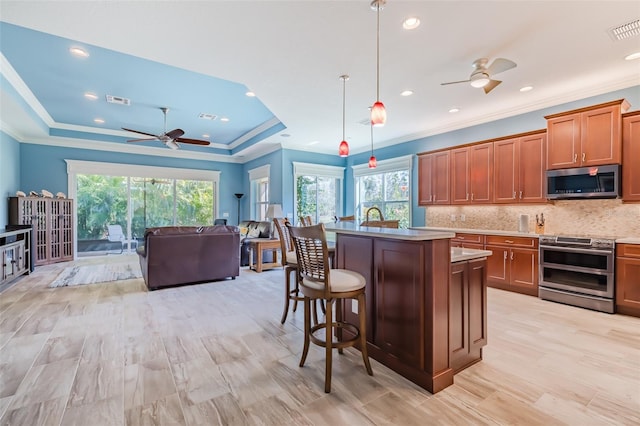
290, 264
318, 281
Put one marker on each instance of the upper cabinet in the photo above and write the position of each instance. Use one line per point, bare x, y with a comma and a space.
631, 157
433, 178
518, 169
471, 174
586, 137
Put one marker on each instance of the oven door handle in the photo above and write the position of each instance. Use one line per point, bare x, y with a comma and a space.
576, 250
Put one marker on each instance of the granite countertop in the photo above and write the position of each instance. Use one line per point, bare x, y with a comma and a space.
478, 231
351, 228
459, 254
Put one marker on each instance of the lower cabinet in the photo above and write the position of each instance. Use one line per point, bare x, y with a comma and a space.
513, 265
464, 240
467, 313
627, 281
14, 255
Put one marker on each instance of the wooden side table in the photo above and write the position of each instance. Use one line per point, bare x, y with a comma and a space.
256, 247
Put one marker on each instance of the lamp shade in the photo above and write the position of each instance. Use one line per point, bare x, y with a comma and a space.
274, 211
378, 114
343, 151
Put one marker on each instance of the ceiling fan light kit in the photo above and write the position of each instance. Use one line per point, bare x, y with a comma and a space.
482, 75
378, 111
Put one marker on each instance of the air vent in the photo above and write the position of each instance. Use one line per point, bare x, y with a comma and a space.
621, 32
365, 122
118, 100
206, 116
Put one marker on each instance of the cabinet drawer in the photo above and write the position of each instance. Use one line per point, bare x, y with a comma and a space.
469, 238
628, 250
512, 241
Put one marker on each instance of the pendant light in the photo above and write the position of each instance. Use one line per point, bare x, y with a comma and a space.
343, 151
378, 112
373, 163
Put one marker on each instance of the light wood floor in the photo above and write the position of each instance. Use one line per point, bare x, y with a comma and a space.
115, 354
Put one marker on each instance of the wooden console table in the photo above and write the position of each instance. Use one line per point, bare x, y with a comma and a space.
256, 247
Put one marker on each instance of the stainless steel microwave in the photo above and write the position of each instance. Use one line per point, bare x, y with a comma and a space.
584, 182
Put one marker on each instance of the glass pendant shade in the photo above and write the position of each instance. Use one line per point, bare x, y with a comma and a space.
372, 162
343, 151
378, 114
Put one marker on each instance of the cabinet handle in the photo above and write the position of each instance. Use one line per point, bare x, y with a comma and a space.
505, 255
584, 156
461, 237
575, 157
521, 195
514, 195
472, 196
430, 197
508, 241
467, 196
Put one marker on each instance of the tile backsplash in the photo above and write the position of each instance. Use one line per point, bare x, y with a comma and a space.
598, 218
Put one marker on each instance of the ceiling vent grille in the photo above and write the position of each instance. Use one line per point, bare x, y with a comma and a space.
621, 32
206, 116
118, 100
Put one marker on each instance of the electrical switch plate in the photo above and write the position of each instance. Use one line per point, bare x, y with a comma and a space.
462, 218
453, 218
354, 306
225, 214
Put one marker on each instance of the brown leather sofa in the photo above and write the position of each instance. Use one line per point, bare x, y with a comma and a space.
176, 255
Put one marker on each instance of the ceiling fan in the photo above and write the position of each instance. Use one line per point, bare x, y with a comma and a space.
481, 76
170, 138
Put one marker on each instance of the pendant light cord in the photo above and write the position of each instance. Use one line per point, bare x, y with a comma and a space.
344, 88
371, 140
378, 52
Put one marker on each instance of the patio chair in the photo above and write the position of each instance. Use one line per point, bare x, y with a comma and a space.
115, 234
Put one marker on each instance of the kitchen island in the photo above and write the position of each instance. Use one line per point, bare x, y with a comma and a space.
409, 300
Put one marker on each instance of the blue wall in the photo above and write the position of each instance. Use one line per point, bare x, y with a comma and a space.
274, 159
9, 173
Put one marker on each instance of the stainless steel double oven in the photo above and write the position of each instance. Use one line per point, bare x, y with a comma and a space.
578, 271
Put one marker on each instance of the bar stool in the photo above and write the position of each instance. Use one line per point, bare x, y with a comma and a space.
331, 285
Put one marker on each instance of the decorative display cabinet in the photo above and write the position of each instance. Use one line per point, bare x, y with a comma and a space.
52, 226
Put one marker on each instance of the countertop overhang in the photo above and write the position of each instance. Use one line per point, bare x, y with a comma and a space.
351, 228
460, 254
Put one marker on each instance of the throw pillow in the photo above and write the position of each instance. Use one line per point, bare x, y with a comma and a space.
243, 231
254, 233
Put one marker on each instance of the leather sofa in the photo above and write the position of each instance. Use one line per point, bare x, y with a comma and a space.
254, 229
175, 255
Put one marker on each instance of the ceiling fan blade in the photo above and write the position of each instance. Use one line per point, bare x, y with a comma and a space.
175, 133
142, 140
142, 133
455, 82
192, 141
500, 65
492, 85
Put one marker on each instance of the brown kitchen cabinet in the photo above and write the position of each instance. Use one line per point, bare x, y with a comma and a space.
466, 240
471, 174
627, 279
519, 169
52, 226
631, 157
467, 313
513, 265
433, 178
586, 137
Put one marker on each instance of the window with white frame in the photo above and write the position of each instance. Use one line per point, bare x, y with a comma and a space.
317, 191
259, 179
387, 187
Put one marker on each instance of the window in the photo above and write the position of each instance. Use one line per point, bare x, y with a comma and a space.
318, 191
259, 179
386, 187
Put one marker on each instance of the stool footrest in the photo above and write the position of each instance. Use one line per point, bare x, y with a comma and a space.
335, 344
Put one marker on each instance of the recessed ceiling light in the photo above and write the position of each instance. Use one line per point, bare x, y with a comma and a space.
250, 94
454, 109
411, 23
632, 56
526, 88
225, 119
313, 143
78, 51
407, 93
206, 136
91, 96
98, 120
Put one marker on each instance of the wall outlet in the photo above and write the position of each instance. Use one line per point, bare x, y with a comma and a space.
354, 306
462, 218
453, 218
225, 214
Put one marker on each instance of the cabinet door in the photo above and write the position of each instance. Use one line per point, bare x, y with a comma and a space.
564, 141
480, 173
425, 166
477, 304
440, 178
460, 193
628, 285
524, 270
399, 294
505, 171
459, 314
600, 136
498, 265
532, 176
631, 158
